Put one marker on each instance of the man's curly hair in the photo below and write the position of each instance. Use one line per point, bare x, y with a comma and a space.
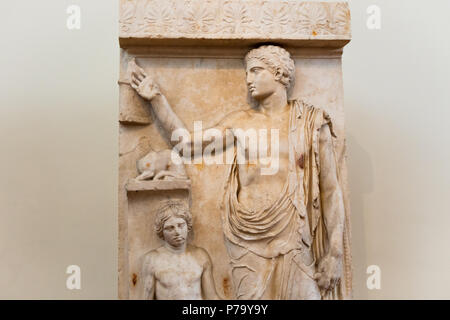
275, 57
172, 209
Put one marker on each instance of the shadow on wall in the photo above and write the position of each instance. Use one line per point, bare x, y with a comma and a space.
360, 171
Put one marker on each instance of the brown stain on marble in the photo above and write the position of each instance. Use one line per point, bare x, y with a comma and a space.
199, 166
226, 286
250, 165
301, 161
134, 279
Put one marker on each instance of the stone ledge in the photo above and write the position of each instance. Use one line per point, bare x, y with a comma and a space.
229, 22
159, 185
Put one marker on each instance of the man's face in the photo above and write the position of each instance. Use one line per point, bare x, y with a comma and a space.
175, 231
260, 80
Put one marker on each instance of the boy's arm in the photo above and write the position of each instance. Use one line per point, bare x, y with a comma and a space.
208, 287
148, 280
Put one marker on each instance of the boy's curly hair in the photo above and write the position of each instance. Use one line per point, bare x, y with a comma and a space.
172, 209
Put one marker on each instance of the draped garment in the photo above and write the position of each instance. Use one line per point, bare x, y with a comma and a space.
271, 250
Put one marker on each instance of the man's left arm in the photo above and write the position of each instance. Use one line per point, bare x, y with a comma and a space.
330, 267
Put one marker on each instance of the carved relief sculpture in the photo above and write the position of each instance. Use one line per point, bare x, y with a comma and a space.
233, 19
159, 165
276, 237
271, 208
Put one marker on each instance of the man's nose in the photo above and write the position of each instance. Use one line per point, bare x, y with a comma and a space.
249, 79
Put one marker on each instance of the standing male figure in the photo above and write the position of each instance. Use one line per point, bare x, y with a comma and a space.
284, 231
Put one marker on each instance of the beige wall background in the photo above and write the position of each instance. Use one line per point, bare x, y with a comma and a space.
59, 149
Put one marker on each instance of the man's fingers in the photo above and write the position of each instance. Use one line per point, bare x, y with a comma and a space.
325, 284
335, 282
138, 76
135, 78
135, 81
322, 281
142, 74
142, 71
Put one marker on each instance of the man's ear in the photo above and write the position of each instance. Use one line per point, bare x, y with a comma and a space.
278, 74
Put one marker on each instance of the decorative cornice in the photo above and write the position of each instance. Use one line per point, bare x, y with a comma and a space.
234, 20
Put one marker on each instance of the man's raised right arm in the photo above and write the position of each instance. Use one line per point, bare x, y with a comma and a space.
148, 89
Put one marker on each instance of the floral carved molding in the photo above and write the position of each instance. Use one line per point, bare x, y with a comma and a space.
234, 19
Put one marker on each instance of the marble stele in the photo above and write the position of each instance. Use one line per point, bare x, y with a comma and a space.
262, 170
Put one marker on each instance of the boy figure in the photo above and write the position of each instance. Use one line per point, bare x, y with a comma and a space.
177, 270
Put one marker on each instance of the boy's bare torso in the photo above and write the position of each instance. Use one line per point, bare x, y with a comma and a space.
177, 275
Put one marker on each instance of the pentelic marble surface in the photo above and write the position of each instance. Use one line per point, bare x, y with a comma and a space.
232, 178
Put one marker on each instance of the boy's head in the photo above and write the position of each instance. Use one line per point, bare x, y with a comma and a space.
173, 223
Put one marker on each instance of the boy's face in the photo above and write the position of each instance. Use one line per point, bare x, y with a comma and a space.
175, 231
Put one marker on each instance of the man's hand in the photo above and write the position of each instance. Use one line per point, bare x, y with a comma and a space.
328, 273
144, 84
